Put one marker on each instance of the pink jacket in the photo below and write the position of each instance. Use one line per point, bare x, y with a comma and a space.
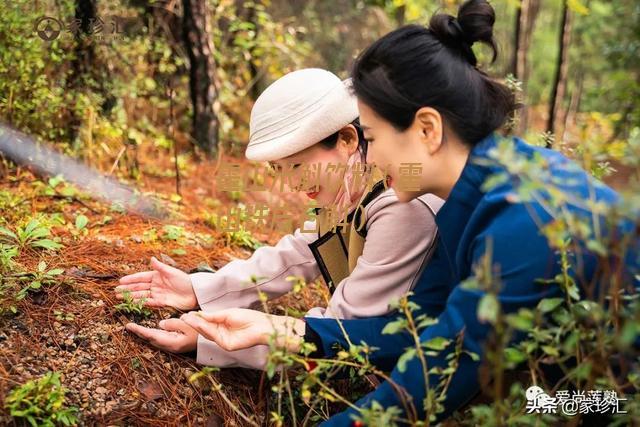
399, 240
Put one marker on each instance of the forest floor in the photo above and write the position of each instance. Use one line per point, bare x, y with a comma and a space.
72, 326
71, 323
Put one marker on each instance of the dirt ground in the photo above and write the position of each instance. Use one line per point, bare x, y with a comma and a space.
72, 326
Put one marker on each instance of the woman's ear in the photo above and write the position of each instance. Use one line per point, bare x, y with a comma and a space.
348, 138
428, 124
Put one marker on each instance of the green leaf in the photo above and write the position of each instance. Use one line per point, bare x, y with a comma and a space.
395, 326
405, 358
423, 321
38, 233
488, 308
437, 343
549, 304
42, 266
31, 226
8, 233
514, 355
46, 244
474, 356
522, 320
81, 222
551, 351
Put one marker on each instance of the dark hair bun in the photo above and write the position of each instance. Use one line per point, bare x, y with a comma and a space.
474, 24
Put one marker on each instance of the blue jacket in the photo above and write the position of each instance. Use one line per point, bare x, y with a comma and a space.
471, 221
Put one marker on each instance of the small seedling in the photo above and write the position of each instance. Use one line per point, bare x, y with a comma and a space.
36, 280
172, 232
130, 306
81, 222
34, 235
62, 316
135, 363
41, 402
242, 238
58, 186
79, 228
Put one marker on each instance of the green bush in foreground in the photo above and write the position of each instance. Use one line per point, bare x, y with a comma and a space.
41, 402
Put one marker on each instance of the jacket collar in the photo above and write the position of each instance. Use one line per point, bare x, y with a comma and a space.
463, 199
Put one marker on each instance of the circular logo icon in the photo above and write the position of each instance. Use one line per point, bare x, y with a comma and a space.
48, 28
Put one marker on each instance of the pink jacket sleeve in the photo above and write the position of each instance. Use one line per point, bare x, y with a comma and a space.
399, 243
231, 285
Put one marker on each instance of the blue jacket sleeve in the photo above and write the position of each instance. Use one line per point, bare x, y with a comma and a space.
430, 294
387, 347
519, 265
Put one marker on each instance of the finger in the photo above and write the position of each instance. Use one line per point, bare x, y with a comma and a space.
209, 330
176, 325
154, 336
141, 331
138, 286
218, 316
154, 302
163, 268
143, 276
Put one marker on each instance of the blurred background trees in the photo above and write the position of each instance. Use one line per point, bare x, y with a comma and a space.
101, 83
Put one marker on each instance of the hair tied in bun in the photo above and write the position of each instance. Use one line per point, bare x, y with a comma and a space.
474, 24
453, 21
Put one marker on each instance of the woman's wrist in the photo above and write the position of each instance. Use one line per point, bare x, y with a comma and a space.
289, 332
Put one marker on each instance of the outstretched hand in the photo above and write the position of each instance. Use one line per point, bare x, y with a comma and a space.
174, 337
238, 328
163, 286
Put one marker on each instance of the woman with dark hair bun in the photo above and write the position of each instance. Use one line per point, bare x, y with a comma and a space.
422, 98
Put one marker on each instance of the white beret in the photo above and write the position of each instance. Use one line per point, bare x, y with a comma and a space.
297, 111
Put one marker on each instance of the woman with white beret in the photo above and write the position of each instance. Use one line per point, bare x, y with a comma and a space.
374, 255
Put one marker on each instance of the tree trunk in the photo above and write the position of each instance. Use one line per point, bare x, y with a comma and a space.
84, 57
247, 12
202, 75
525, 23
516, 39
400, 14
562, 67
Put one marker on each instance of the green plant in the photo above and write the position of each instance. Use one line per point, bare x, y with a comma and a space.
172, 232
34, 234
57, 186
242, 238
130, 306
41, 402
79, 228
7, 253
36, 280
63, 316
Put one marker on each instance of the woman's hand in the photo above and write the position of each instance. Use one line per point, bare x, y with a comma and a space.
174, 337
163, 286
238, 328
